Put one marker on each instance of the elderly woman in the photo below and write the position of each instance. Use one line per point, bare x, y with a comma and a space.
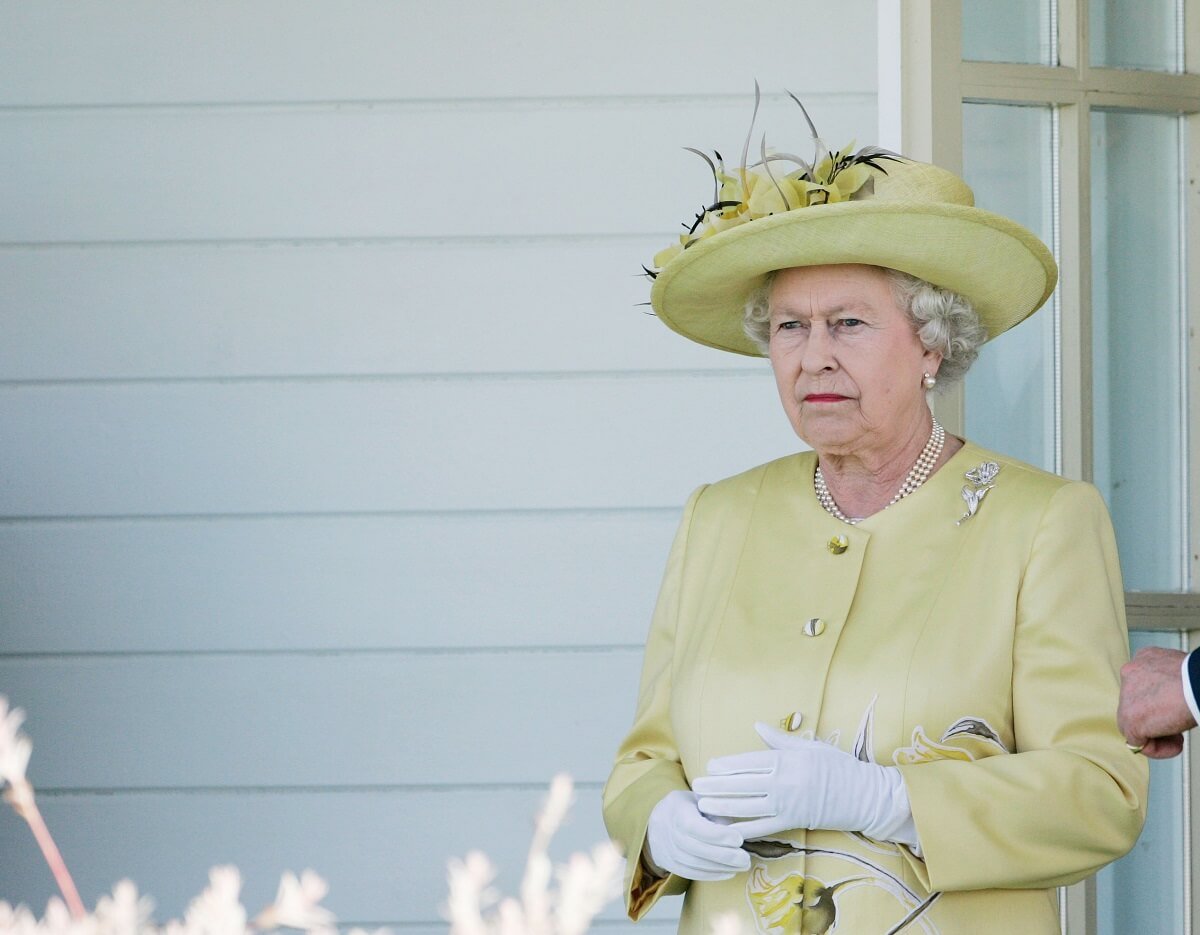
880, 682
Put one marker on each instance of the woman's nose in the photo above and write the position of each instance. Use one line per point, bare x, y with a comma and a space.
818, 350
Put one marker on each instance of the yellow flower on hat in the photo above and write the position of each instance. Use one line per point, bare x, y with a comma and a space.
841, 175
667, 254
773, 196
778, 183
758, 192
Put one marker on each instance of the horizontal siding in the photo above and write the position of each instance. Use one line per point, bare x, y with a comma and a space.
331, 582
138, 449
383, 853
149, 722
340, 461
381, 171
405, 308
64, 52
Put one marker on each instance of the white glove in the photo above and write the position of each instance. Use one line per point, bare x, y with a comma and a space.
800, 783
682, 841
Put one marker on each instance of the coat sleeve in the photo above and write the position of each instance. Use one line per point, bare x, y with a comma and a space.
1072, 797
648, 763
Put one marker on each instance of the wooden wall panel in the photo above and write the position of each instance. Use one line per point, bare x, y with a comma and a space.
57, 52
320, 446
325, 719
332, 582
411, 307
388, 171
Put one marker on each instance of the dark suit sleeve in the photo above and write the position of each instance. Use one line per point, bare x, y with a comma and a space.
1191, 682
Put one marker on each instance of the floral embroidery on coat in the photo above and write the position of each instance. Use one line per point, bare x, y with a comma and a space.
795, 904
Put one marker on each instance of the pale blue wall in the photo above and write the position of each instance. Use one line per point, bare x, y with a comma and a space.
338, 463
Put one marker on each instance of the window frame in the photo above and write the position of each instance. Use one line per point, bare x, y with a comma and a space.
923, 84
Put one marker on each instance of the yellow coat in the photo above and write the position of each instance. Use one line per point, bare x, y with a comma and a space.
980, 658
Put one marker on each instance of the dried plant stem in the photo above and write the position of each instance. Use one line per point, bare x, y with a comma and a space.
21, 798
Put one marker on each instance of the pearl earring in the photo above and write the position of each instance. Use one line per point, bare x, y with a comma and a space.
930, 381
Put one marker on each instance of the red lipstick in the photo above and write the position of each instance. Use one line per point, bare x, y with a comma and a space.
824, 398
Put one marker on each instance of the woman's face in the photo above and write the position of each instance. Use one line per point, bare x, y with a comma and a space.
847, 361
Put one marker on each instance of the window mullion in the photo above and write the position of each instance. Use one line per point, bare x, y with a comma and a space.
1191, 298
1072, 34
1114, 87
1030, 82
1191, 36
1075, 291
1162, 610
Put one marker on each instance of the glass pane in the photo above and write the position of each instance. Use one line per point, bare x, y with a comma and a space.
1142, 34
1138, 342
1143, 891
1011, 390
1014, 31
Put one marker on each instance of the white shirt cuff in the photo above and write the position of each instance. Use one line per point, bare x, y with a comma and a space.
1188, 695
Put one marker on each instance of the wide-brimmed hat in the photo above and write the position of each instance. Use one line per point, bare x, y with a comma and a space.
870, 207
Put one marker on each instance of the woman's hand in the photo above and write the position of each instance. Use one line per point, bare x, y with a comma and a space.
682, 841
800, 783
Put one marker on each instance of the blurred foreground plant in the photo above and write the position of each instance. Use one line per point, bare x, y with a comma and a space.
15, 749
216, 911
585, 883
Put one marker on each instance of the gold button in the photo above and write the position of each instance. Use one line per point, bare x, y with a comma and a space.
815, 626
838, 544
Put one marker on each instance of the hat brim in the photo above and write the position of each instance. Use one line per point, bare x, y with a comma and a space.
1003, 269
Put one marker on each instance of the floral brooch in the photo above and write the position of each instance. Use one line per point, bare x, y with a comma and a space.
980, 482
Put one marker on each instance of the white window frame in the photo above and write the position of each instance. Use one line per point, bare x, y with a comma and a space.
923, 84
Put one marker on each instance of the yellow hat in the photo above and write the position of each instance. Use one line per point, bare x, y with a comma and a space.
870, 207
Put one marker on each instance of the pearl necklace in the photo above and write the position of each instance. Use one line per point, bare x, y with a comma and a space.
917, 475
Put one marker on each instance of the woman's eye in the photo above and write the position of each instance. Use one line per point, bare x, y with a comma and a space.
850, 322
790, 325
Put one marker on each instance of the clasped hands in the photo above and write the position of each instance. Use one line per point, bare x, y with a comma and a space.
795, 783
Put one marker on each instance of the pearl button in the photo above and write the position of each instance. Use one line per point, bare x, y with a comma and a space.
791, 722
814, 626
838, 544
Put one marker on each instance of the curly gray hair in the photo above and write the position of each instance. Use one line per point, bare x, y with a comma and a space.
943, 320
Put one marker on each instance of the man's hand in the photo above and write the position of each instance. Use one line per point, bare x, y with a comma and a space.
1153, 712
